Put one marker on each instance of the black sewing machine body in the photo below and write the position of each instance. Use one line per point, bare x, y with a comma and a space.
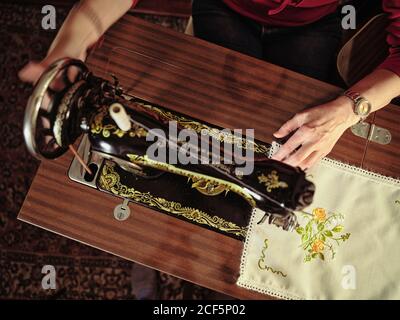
213, 195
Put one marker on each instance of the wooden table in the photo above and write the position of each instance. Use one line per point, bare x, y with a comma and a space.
212, 84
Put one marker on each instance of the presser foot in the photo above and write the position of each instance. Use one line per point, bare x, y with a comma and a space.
287, 222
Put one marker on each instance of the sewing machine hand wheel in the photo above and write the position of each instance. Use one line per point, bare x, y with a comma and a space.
49, 102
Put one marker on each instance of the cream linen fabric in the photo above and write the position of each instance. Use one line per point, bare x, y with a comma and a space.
366, 266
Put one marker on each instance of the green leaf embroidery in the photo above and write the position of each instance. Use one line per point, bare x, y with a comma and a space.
338, 228
328, 233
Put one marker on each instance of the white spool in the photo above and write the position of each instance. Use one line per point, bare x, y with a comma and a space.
119, 115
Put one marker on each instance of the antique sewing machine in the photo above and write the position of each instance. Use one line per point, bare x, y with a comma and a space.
113, 155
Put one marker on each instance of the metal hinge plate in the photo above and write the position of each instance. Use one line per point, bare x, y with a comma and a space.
372, 132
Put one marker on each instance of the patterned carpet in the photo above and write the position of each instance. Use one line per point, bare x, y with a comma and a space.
82, 272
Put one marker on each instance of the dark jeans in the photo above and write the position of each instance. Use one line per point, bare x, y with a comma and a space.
310, 49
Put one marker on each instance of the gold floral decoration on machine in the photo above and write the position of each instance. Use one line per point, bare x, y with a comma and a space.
106, 130
208, 187
98, 127
203, 183
110, 180
201, 128
271, 181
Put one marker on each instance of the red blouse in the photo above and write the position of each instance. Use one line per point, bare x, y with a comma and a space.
300, 12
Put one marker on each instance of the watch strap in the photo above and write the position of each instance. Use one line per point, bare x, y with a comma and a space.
355, 97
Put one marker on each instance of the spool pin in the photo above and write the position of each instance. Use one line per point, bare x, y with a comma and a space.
119, 115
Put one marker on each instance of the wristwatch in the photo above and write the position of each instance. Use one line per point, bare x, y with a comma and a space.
361, 106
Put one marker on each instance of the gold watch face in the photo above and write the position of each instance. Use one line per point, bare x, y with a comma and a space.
363, 108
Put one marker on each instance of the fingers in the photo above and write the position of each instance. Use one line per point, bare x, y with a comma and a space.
311, 160
315, 132
296, 158
31, 72
296, 122
292, 144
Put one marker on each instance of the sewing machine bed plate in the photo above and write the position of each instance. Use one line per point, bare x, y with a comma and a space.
173, 195
239, 92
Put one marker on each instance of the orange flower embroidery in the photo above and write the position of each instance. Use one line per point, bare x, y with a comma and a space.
318, 246
319, 214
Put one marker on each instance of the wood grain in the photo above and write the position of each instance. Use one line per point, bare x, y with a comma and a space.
384, 159
198, 78
203, 81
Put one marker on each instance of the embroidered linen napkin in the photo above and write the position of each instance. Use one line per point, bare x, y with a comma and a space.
347, 245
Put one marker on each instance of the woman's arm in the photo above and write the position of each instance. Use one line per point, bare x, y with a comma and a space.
319, 128
84, 25
380, 88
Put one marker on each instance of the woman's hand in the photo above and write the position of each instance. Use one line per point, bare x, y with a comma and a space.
34, 69
68, 43
81, 30
316, 132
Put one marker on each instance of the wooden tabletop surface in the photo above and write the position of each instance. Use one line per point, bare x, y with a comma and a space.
209, 83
